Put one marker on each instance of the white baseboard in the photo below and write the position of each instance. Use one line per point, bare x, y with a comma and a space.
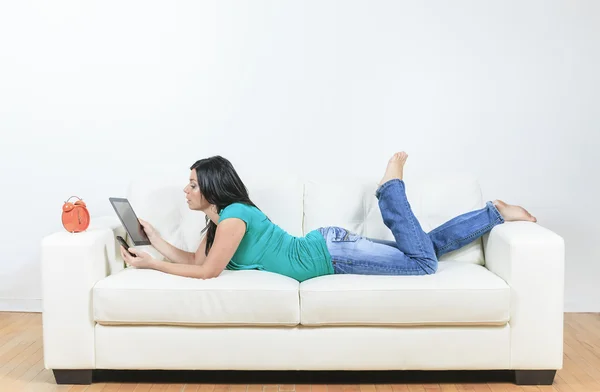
582, 306
20, 305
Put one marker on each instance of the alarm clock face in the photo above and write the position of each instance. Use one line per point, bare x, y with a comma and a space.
76, 219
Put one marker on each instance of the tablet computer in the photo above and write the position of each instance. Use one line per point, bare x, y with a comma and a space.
130, 220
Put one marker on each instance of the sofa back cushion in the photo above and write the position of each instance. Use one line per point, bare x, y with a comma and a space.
161, 201
353, 205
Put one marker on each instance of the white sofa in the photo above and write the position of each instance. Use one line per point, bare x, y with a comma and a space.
496, 304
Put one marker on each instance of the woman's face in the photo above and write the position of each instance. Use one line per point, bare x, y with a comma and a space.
195, 199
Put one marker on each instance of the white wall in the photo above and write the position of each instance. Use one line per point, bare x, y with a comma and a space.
94, 93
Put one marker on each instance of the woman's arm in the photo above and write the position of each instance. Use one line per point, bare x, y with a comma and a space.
200, 256
180, 256
169, 251
173, 253
228, 236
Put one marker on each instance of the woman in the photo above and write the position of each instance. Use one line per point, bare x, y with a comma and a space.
240, 236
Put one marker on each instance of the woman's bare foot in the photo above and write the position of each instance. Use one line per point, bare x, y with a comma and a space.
513, 213
395, 167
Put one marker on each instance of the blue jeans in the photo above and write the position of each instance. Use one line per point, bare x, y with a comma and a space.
413, 252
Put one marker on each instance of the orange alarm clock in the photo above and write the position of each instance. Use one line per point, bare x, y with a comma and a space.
75, 216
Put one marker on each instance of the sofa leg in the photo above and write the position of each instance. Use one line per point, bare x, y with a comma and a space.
73, 376
534, 377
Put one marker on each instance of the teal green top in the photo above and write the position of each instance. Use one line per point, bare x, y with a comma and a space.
266, 246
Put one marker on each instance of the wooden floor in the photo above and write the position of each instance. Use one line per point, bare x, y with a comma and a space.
22, 366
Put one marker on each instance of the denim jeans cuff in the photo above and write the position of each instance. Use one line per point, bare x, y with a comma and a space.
494, 209
386, 185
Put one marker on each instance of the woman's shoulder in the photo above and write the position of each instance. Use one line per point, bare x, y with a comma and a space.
239, 210
239, 207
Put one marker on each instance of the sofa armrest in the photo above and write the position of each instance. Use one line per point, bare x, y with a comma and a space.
530, 258
71, 265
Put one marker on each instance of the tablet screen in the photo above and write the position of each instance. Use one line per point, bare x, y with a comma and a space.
130, 221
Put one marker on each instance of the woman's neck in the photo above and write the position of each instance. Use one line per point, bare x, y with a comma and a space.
212, 214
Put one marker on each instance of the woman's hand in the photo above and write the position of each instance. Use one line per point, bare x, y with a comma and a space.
143, 259
150, 230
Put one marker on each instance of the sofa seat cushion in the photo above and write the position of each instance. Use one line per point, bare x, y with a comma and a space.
457, 294
145, 296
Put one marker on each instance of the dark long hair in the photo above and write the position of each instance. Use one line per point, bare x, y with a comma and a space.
220, 185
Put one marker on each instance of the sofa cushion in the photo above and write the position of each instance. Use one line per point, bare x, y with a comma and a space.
457, 294
145, 296
434, 200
